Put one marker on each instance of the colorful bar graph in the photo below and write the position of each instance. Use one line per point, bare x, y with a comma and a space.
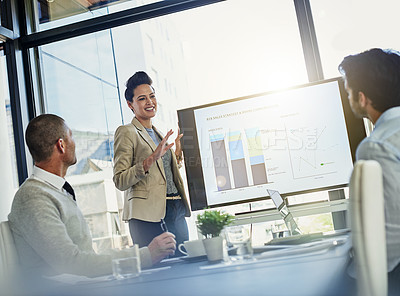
237, 159
220, 162
257, 163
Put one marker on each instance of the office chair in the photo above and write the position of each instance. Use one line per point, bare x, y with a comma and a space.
368, 228
2, 266
8, 258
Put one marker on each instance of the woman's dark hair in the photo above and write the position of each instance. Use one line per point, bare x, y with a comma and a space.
136, 79
376, 73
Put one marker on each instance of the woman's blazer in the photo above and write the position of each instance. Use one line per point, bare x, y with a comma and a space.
145, 193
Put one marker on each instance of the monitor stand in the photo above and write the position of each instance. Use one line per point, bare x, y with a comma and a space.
280, 204
338, 218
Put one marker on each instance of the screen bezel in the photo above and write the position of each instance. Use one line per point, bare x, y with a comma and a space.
198, 200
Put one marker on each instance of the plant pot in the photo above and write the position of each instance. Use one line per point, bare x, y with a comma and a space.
214, 248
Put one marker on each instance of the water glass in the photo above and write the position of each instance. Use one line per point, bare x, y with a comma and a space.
240, 238
126, 263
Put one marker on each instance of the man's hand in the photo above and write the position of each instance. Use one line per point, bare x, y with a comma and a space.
161, 246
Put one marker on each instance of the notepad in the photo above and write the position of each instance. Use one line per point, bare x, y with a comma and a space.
296, 239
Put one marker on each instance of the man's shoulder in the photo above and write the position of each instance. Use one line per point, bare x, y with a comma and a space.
32, 196
32, 183
386, 129
384, 140
32, 187
386, 135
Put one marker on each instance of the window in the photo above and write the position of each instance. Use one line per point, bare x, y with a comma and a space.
8, 173
80, 86
349, 27
256, 48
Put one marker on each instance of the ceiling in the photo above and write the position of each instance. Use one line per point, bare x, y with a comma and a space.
51, 10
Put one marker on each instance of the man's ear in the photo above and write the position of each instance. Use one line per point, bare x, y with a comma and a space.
60, 145
362, 99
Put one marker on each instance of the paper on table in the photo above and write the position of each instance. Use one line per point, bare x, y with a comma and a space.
286, 253
74, 279
151, 270
171, 260
300, 249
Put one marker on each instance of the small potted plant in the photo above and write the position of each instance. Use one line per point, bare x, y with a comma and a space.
210, 223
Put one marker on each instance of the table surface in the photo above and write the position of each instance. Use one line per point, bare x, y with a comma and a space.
307, 269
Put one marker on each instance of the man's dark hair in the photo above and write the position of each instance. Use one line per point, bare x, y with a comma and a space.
136, 79
376, 73
43, 133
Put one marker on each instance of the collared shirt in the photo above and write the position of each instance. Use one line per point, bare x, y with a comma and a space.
49, 178
383, 145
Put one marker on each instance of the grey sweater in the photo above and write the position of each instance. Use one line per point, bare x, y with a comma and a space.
52, 236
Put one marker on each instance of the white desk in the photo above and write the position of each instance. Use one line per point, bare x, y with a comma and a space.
316, 273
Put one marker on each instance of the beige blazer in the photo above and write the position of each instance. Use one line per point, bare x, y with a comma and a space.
145, 193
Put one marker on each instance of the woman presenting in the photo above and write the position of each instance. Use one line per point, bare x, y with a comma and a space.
146, 168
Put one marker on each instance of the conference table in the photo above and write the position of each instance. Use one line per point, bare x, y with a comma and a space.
313, 268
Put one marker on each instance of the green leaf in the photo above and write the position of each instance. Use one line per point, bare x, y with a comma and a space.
211, 223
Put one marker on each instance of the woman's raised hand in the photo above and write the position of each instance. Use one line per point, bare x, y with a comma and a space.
161, 149
178, 147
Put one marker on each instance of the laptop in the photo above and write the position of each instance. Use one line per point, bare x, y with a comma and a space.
284, 211
296, 236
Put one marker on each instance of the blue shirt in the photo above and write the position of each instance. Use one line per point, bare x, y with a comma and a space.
153, 136
383, 145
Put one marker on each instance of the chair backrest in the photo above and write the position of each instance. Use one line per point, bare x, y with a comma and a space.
367, 220
2, 266
8, 261
8, 252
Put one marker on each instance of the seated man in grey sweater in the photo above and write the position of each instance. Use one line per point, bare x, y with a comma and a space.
49, 230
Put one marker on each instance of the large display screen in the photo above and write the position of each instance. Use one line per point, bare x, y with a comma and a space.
296, 140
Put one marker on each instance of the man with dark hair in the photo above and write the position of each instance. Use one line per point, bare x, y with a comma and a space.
372, 80
49, 230
43, 134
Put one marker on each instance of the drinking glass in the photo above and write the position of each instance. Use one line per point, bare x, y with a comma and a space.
239, 237
126, 263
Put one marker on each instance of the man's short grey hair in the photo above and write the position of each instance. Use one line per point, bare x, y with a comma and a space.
42, 134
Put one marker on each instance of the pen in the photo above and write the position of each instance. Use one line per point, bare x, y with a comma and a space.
163, 225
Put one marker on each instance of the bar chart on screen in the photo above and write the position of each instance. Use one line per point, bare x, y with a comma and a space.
282, 140
246, 165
